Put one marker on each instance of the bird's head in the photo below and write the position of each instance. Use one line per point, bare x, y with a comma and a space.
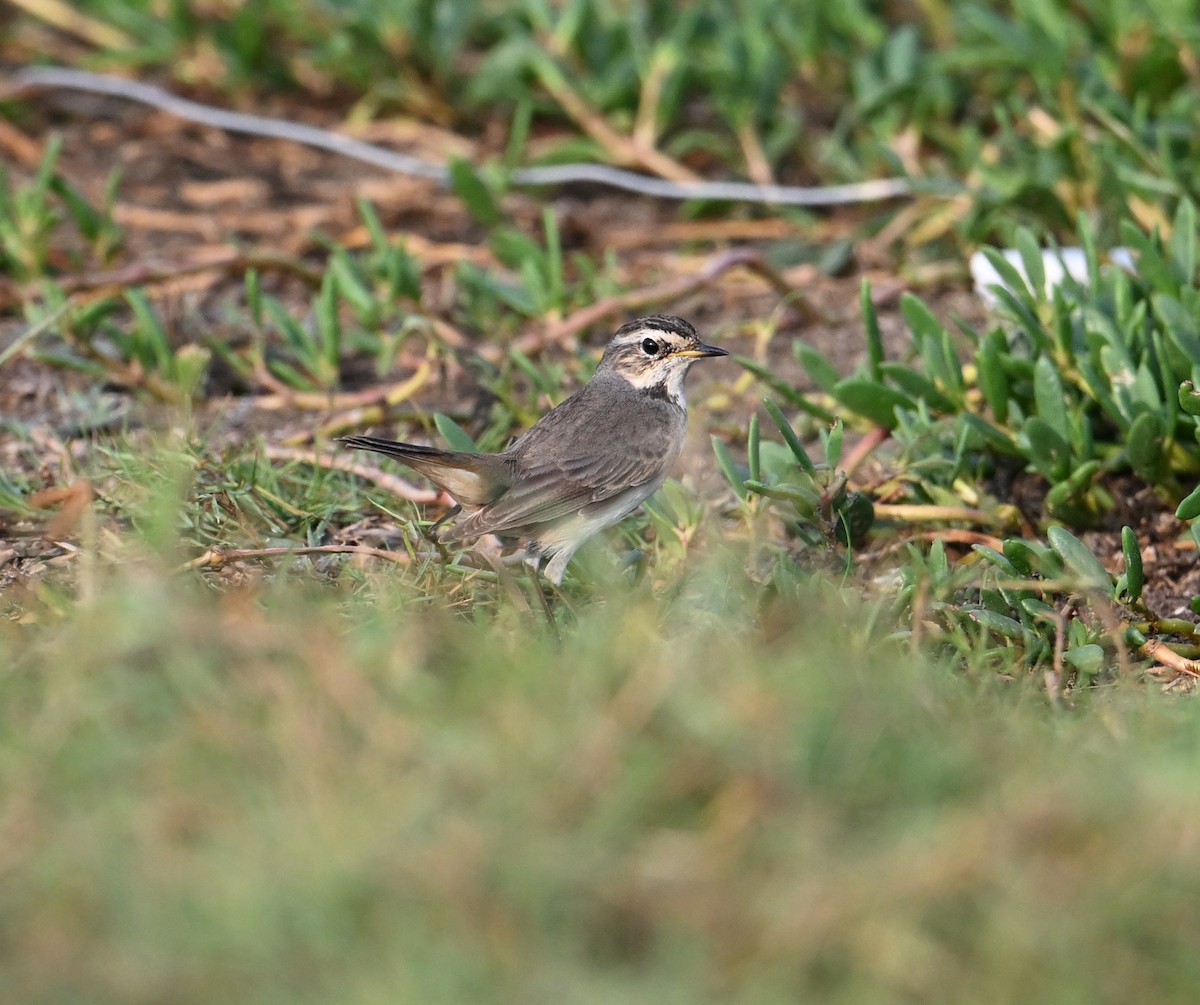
654, 354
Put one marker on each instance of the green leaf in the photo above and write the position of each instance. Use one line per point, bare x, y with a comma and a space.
1048, 451
1031, 258
1083, 476
477, 198
1181, 324
455, 436
1021, 555
154, 347
922, 322
1189, 398
85, 217
379, 239
1134, 579
993, 381
1134, 637
939, 567
874, 336
789, 436
833, 443
1183, 240
1080, 561
806, 499
752, 448
872, 400
918, 387
1049, 397
784, 389
292, 332
1037, 608
353, 290
1151, 265
1087, 660
728, 468
290, 375
1015, 286
45, 171
1086, 229
254, 297
514, 248
518, 132
1189, 509
822, 373
1000, 624
988, 434
993, 557
1144, 447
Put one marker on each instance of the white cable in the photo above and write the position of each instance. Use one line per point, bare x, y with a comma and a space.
558, 174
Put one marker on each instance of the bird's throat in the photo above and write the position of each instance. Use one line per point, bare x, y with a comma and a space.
666, 387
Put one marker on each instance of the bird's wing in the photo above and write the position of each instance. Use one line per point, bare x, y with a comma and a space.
547, 489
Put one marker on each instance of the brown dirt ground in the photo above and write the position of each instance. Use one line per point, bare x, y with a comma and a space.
191, 195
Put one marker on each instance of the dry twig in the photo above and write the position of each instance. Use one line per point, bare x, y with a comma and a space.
215, 558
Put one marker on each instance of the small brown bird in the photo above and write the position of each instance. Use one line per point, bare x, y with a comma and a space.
585, 464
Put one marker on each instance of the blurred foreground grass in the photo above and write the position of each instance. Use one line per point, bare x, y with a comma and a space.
292, 793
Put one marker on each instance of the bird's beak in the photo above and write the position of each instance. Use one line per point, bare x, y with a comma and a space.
701, 351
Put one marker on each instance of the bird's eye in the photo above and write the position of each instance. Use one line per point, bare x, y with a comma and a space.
649, 346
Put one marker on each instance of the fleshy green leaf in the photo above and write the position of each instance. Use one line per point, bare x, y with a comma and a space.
455, 436
1189, 398
1183, 239
1048, 451
1048, 394
994, 557
728, 468
469, 187
1080, 561
1001, 624
823, 373
921, 321
789, 436
1189, 509
993, 381
1144, 445
1031, 258
872, 400
1134, 580
1087, 660
918, 387
874, 336
752, 448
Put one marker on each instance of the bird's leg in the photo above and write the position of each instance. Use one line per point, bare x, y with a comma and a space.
503, 576
450, 514
430, 533
533, 559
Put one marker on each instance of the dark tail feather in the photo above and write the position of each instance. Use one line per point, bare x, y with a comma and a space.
473, 479
404, 451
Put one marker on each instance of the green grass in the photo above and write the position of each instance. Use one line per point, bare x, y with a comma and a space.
768, 751
292, 793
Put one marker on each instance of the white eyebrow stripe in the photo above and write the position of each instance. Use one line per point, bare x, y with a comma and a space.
635, 337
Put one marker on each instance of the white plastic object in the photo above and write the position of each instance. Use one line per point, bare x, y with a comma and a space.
1057, 263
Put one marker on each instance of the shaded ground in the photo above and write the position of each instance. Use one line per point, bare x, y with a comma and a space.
194, 204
